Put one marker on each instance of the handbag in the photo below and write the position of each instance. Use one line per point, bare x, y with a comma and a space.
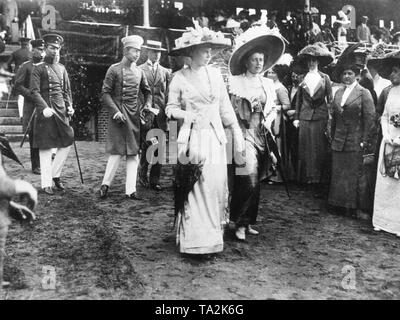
391, 160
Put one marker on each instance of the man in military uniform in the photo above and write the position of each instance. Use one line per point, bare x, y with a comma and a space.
158, 78
22, 87
120, 90
21, 55
51, 93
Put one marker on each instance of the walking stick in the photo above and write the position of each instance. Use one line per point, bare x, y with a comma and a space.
76, 150
28, 128
77, 159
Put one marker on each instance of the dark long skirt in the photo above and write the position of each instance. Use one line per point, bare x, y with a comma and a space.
351, 182
313, 152
246, 182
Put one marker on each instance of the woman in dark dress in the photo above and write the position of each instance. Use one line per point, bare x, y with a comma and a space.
311, 117
352, 135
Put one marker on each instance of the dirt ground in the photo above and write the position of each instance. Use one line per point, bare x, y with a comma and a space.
121, 249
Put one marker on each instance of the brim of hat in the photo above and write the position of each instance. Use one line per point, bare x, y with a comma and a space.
323, 60
155, 49
384, 66
272, 45
185, 51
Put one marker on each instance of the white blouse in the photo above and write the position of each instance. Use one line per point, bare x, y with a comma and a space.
311, 80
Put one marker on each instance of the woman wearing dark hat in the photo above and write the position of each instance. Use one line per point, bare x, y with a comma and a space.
197, 95
253, 98
313, 98
387, 192
352, 135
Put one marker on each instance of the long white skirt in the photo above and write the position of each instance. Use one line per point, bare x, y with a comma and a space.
387, 201
200, 228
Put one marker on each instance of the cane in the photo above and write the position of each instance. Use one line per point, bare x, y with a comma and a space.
77, 159
76, 150
28, 128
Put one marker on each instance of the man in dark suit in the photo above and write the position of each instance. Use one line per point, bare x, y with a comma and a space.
158, 78
21, 55
52, 97
22, 86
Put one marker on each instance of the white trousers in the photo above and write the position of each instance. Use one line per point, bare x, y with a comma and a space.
132, 163
51, 170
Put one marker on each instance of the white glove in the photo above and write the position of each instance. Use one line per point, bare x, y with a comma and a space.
190, 117
396, 141
238, 139
48, 112
119, 116
23, 187
296, 123
70, 111
387, 139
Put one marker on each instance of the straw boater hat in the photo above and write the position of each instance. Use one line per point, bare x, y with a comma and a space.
199, 36
352, 58
317, 50
259, 38
154, 45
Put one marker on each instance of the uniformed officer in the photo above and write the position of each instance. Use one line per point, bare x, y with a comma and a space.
120, 90
22, 87
158, 78
51, 93
21, 55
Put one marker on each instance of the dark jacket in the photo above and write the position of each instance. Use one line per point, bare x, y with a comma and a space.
120, 93
315, 107
158, 83
19, 57
380, 106
50, 87
354, 122
22, 87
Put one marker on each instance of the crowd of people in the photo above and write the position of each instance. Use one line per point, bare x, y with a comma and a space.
251, 117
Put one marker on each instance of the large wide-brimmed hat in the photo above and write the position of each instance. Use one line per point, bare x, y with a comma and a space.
376, 55
260, 38
352, 58
199, 36
317, 50
384, 65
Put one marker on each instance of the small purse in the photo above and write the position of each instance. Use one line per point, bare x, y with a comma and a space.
391, 160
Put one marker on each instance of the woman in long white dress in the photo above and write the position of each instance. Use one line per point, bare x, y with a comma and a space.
198, 96
387, 193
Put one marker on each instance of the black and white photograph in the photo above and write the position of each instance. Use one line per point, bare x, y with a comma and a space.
199, 150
